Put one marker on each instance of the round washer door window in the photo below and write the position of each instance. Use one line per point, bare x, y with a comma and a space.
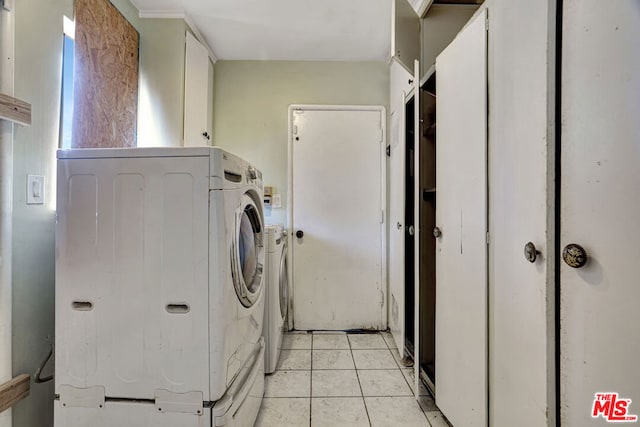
248, 252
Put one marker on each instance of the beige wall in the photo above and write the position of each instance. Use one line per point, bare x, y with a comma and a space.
251, 99
161, 89
38, 69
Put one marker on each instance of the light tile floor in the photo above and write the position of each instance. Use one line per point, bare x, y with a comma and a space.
338, 379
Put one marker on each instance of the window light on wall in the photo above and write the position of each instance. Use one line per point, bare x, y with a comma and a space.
66, 110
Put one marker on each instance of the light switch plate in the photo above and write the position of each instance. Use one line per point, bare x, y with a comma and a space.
35, 189
277, 201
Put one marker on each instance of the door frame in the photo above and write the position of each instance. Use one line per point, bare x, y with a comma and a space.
383, 198
7, 51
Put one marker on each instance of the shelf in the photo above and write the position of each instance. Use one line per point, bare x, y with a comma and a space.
429, 131
15, 110
428, 193
14, 390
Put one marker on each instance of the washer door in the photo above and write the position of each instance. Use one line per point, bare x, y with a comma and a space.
284, 283
247, 252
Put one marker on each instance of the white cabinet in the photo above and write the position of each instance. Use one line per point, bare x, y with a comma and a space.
176, 86
401, 83
461, 217
405, 34
197, 94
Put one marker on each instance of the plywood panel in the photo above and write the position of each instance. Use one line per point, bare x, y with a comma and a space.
106, 77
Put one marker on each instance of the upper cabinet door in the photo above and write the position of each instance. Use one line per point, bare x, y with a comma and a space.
405, 43
196, 94
461, 216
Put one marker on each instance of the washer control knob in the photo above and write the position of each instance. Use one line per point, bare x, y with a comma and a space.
252, 173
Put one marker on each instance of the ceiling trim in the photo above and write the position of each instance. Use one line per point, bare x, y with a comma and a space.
162, 14
179, 14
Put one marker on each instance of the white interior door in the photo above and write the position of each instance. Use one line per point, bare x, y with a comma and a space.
461, 215
600, 320
400, 80
196, 94
338, 203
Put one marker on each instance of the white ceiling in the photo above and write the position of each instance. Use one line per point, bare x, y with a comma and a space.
347, 30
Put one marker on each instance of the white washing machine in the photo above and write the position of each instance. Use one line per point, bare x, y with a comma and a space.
160, 258
277, 295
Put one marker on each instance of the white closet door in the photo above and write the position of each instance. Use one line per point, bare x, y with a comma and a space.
600, 320
461, 215
400, 80
196, 94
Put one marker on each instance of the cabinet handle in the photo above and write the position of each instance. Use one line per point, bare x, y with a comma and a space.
530, 252
206, 135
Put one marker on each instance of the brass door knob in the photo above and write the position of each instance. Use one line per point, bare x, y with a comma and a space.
574, 255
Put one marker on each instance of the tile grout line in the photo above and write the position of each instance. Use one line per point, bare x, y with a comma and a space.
407, 381
364, 402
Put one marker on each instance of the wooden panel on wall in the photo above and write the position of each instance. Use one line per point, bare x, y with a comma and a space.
106, 77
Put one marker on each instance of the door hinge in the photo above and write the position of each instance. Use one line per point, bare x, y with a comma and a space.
487, 237
381, 298
382, 216
188, 403
75, 397
486, 24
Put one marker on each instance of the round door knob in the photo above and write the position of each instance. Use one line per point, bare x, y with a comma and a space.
436, 232
299, 234
574, 255
530, 252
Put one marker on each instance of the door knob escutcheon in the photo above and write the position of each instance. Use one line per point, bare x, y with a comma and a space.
574, 255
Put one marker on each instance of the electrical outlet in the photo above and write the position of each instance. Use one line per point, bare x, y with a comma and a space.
35, 189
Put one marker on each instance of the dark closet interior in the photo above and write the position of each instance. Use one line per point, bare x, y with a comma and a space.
427, 224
